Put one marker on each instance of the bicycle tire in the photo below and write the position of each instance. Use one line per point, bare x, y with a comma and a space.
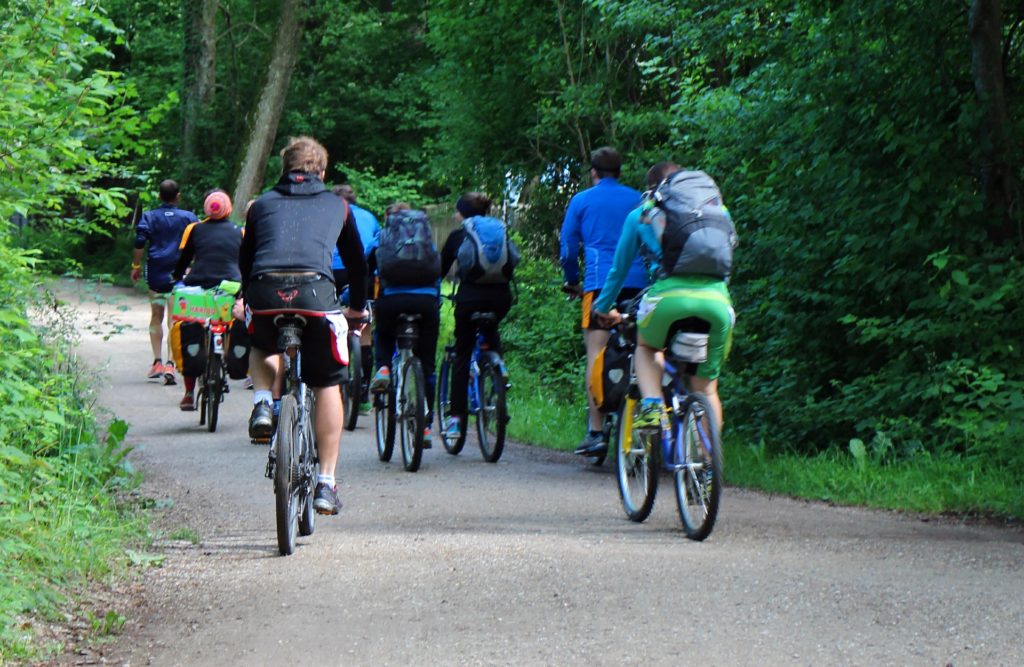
309, 467
214, 390
384, 424
201, 399
492, 419
352, 388
285, 498
451, 445
698, 490
637, 469
413, 410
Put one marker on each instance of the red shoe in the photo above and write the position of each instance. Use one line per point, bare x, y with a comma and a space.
169, 374
156, 371
188, 403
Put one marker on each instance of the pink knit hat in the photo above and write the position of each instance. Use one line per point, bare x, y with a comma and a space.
217, 205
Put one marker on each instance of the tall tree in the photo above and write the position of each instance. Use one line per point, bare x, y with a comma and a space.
985, 26
199, 22
271, 101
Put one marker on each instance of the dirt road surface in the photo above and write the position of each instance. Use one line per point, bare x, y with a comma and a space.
528, 562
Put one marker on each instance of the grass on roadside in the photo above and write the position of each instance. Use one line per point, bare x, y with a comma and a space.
62, 526
922, 483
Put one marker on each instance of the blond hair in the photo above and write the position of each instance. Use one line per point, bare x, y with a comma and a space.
304, 154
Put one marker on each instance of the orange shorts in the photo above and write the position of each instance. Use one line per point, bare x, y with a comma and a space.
590, 322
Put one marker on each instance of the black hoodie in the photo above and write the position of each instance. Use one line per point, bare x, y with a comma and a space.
293, 227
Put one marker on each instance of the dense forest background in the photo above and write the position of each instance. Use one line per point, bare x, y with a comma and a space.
871, 154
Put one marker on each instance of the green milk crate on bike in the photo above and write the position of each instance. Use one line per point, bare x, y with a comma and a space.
193, 304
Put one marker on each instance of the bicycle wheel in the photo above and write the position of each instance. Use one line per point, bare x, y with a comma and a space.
214, 391
451, 445
351, 388
698, 476
286, 495
384, 423
636, 464
309, 467
201, 398
412, 411
493, 415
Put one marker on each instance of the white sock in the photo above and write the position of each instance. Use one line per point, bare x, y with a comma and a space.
325, 479
262, 396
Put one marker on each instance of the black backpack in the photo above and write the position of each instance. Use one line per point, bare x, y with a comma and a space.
406, 254
698, 235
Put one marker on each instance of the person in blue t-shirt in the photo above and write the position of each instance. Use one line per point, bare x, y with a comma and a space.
594, 221
369, 233
159, 231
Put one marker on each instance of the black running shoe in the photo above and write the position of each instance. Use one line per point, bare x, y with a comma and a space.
261, 422
326, 500
592, 445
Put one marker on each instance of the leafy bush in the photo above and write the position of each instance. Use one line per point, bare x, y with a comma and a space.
59, 477
541, 334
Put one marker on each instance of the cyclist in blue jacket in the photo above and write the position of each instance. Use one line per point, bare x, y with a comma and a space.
594, 221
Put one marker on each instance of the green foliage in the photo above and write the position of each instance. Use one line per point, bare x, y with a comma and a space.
375, 192
543, 320
59, 475
67, 123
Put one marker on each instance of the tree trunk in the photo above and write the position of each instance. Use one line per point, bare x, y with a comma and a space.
263, 129
985, 26
200, 58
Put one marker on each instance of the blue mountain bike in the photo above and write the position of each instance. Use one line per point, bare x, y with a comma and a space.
488, 384
688, 446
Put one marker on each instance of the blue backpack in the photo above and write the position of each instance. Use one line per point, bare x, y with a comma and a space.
487, 255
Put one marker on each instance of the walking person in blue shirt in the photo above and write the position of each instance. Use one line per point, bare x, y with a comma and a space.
159, 231
594, 221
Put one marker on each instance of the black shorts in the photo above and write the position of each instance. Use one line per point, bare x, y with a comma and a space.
313, 298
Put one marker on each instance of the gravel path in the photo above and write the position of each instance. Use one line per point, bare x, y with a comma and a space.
530, 561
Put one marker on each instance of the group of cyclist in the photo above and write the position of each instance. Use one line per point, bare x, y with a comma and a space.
307, 249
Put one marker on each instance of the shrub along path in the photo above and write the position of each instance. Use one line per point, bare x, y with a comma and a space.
530, 561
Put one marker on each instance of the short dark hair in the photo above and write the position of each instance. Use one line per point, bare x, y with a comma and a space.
346, 192
658, 172
473, 204
168, 191
606, 161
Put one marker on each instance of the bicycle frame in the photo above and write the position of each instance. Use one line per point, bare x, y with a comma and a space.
675, 452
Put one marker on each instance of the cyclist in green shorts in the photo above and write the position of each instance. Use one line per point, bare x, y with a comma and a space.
698, 299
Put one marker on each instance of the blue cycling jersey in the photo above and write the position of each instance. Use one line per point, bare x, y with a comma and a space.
594, 219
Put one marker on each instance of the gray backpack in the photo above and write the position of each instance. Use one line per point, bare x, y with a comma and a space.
696, 231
